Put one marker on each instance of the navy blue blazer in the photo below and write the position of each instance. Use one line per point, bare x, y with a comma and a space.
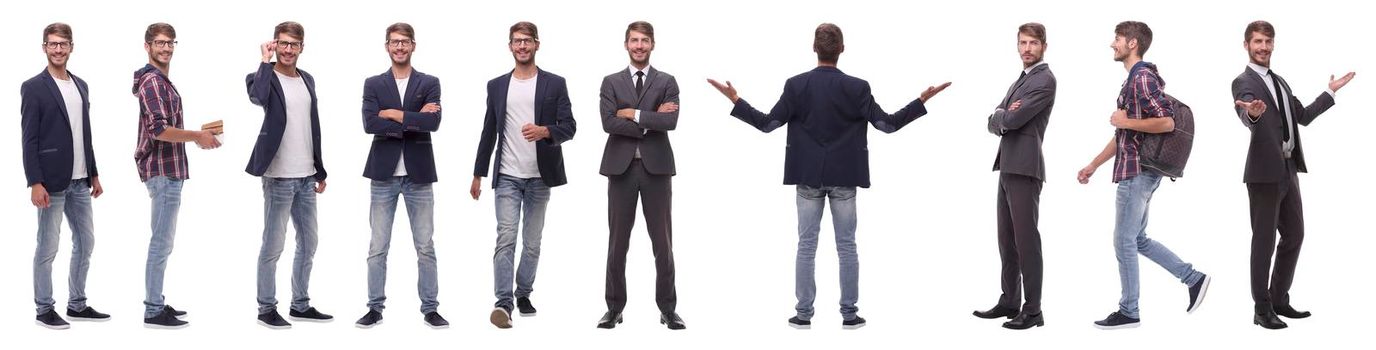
265, 90
552, 110
411, 138
827, 112
47, 133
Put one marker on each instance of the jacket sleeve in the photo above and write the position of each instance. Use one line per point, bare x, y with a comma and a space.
424, 122
31, 118
487, 139
564, 125
372, 123
653, 119
607, 107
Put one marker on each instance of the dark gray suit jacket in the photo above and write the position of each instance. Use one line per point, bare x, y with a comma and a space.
1265, 155
650, 134
1022, 131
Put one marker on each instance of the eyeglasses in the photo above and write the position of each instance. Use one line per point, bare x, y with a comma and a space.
54, 45
524, 41
401, 43
287, 44
163, 43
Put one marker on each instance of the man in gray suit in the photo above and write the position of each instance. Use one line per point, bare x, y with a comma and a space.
1274, 159
1020, 122
639, 107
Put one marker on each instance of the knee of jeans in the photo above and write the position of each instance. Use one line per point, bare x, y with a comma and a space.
1143, 242
531, 249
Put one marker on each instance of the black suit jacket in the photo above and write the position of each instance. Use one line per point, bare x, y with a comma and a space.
265, 90
411, 138
650, 135
827, 113
47, 133
1022, 131
552, 110
1265, 154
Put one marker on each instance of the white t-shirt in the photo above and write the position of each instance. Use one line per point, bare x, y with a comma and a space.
296, 153
518, 155
401, 161
71, 96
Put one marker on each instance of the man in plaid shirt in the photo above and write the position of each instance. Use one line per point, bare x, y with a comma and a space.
160, 157
1142, 109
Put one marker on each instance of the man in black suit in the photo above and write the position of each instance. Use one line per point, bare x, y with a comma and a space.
1020, 122
1274, 159
639, 107
60, 166
827, 158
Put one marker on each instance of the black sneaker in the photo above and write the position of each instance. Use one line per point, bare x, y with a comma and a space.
273, 320
372, 318
435, 321
799, 323
88, 314
1197, 293
310, 315
853, 323
1117, 320
176, 313
500, 317
523, 304
164, 320
51, 320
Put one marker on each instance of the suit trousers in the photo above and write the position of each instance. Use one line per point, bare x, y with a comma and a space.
656, 191
1275, 207
1020, 244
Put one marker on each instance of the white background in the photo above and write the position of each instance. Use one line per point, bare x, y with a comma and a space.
926, 233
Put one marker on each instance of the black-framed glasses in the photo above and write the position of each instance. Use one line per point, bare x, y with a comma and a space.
288, 44
524, 41
54, 45
163, 43
401, 43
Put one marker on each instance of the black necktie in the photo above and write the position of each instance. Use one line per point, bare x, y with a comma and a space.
1280, 106
639, 82
1023, 75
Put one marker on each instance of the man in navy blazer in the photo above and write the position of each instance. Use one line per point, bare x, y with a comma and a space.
287, 158
60, 166
401, 107
827, 157
529, 113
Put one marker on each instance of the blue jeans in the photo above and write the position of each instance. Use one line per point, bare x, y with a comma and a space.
810, 205
285, 198
420, 207
518, 200
166, 195
1130, 239
75, 202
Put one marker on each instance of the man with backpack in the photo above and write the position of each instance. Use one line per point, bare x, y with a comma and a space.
1143, 109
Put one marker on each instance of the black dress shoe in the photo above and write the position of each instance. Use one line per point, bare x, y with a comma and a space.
610, 320
1289, 312
997, 311
1268, 320
1025, 321
672, 320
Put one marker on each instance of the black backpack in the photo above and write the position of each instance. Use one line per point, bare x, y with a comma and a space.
1166, 153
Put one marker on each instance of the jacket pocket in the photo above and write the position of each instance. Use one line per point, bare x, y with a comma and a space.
49, 150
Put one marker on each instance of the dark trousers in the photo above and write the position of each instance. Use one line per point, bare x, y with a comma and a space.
1020, 244
1275, 207
656, 191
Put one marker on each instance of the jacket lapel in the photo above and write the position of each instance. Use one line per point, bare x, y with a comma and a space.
541, 83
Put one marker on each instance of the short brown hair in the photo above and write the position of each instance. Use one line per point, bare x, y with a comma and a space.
642, 27
1134, 30
62, 30
290, 28
1033, 29
401, 28
159, 28
828, 43
526, 28
1262, 27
